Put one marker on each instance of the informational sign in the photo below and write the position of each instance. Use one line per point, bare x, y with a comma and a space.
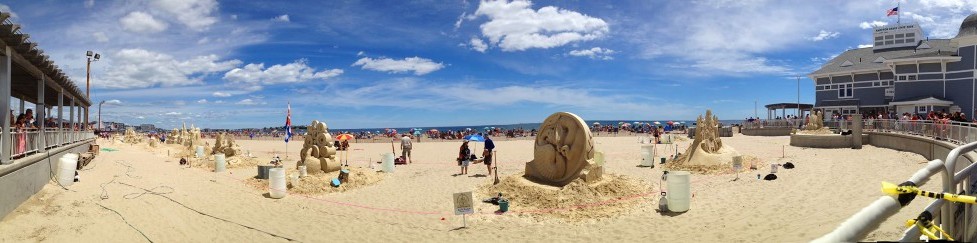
464, 203
738, 163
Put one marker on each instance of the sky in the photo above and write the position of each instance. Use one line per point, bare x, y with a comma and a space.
373, 64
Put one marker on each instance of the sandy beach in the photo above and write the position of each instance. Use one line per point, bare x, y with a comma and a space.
167, 202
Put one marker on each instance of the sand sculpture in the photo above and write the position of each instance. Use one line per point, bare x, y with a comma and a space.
319, 146
131, 137
224, 144
815, 124
707, 149
564, 152
174, 137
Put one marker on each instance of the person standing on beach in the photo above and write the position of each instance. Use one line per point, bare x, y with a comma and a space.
406, 145
487, 154
464, 157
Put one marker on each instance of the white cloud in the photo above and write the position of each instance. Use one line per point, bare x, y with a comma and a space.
138, 68
875, 23
173, 113
100, 37
515, 26
89, 3
113, 102
202, 101
864, 46
140, 117
478, 45
295, 72
221, 94
418, 65
142, 22
281, 18
594, 53
195, 14
460, 20
824, 35
6, 9
247, 102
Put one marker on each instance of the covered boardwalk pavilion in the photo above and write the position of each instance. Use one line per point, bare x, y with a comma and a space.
30, 77
783, 107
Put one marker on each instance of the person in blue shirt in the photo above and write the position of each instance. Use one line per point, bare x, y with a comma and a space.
487, 154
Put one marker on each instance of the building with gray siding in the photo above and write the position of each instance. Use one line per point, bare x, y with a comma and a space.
902, 73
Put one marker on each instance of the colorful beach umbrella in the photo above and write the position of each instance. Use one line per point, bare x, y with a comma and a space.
344, 137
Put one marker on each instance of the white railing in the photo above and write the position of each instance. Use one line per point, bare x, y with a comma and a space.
29, 142
955, 222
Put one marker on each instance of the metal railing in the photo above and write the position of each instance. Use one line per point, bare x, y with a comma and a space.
961, 182
779, 123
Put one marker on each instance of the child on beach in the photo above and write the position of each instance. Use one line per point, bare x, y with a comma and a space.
464, 157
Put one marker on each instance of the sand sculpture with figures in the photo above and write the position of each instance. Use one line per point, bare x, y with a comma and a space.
564, 152
131, 137
319, 147
815, 125
224, 144
707, 150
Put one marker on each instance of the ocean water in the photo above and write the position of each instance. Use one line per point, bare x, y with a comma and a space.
525, 126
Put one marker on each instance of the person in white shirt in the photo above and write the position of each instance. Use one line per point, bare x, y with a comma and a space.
405, 145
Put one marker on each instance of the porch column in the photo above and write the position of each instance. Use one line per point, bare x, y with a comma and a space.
60, 116
39, 114
71, 120
6, 139
21, 107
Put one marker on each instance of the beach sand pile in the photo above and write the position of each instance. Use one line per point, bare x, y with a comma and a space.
319, 183
541, 202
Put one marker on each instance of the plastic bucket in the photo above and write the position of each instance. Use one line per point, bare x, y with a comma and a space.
679, 191
504, 205
200, 151
220, 164
388, 163
67, 165
647, 155
276, 181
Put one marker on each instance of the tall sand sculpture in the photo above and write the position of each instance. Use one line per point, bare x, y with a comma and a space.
224, 144
131, 137
707, 149
564, 152
319, 147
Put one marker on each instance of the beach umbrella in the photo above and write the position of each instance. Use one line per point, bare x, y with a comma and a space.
344, 136
670, 123
626, 125
596, 123
433, 130
658, 123
475, 138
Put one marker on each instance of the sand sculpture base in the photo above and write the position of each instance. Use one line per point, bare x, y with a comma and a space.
829, 140
563, 202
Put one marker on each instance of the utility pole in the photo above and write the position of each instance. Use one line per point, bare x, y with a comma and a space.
798, 97
91, 57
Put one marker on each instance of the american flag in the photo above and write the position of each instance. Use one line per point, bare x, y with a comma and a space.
288, 123
893, 11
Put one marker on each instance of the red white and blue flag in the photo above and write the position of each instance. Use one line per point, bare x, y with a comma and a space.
288, 123
893, 11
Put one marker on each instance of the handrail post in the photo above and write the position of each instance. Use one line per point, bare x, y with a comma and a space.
947, 212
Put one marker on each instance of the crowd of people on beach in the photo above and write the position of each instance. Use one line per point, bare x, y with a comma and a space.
25, 123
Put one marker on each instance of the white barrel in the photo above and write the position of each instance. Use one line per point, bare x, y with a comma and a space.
599, 158
679, 191
276, 181
388, 162
220, 164
303, 172
66, 171
200, 151
648, 155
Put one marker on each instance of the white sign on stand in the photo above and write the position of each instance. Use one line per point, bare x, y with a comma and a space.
737, 165
464, 204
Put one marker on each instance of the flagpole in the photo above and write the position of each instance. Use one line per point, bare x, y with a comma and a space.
898, 13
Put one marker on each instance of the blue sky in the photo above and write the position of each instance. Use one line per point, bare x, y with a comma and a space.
365, 64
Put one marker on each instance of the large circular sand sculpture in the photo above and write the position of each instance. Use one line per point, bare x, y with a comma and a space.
131, 137
564, 151
707, 150
319, 146
224, 144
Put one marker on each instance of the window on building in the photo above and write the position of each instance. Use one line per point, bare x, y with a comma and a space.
910, 34
899, 41
845, 91
879, 43
900, 35
888, 37
911, 77
888, 42
911, 40
878, 38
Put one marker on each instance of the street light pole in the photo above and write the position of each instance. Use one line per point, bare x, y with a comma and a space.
91, 57
798, 96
